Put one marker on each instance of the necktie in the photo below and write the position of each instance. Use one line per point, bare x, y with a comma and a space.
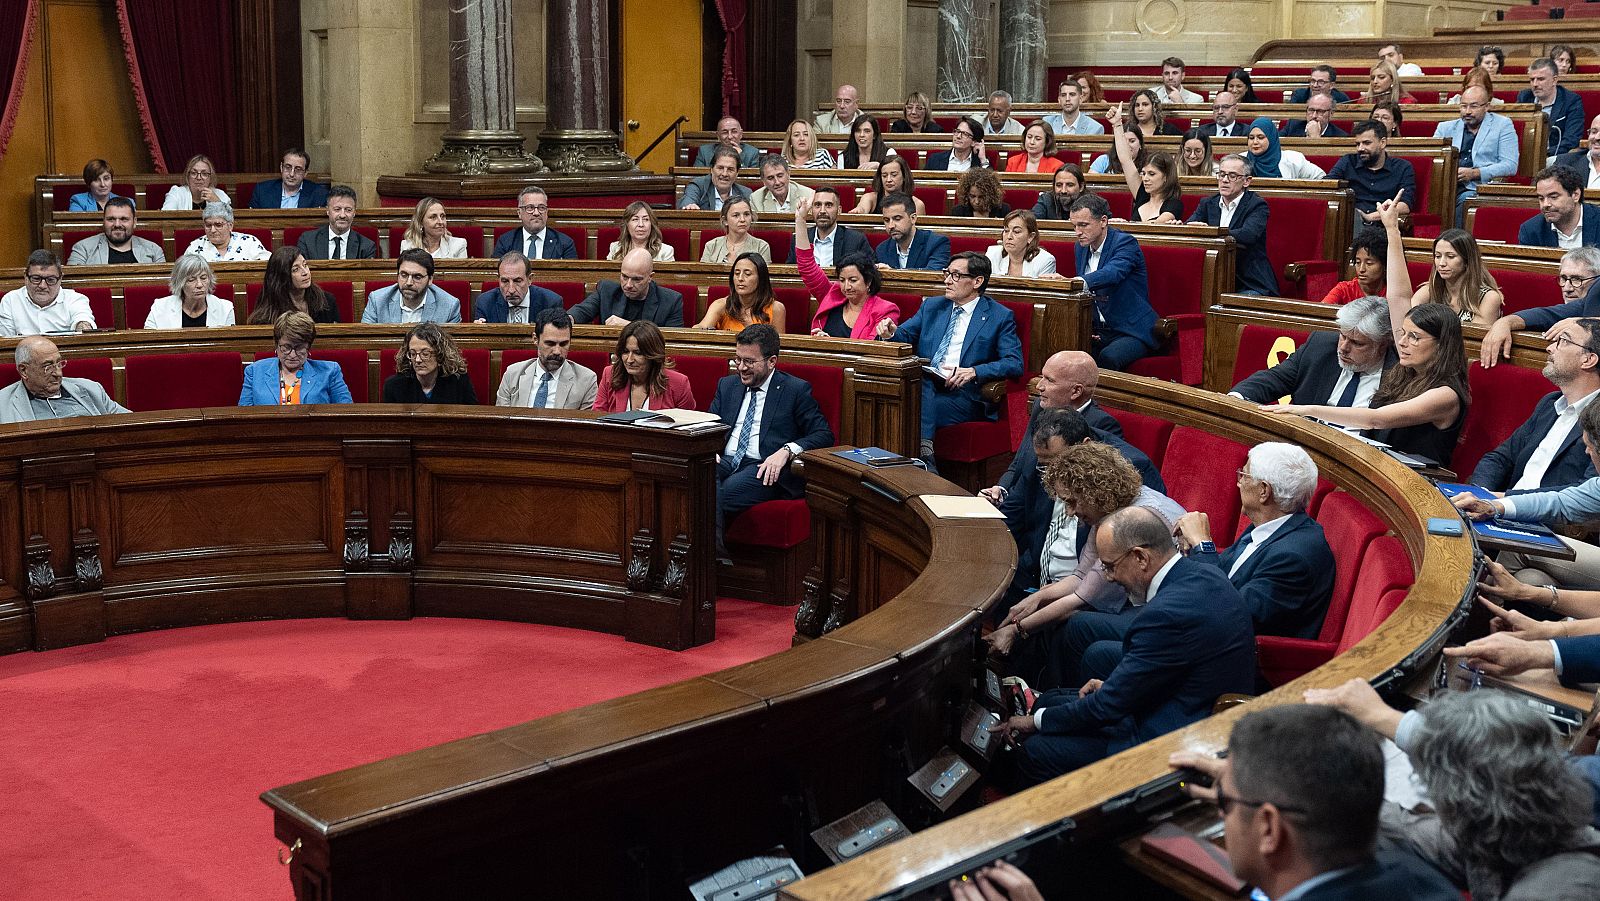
949, 335
542, 397
338, 247
1238, 550
518, 315
533, 247
748, 428
1348, 398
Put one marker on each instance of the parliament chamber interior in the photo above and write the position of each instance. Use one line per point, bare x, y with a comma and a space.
757, 449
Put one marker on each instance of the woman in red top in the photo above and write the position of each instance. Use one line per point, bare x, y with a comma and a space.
640, 379
850, 307
1370, 251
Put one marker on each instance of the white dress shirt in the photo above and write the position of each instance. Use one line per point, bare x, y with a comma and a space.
1060, 555
409, 315
21, 316
450, 248
822, 247
759, 398
1574, 240
1258, 537
1093, 264
1567, 416
1228, 209
952, 357
1009, 127
1364, 389
344, 244
555, 385
959, 165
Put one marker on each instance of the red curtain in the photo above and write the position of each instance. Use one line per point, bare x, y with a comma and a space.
734, 15
181, 61
16, 37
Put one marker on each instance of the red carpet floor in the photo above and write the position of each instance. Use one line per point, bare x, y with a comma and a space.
131, 769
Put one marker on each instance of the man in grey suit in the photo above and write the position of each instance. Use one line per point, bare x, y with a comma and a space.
337, 240
413, 297
549, 381
720, 186
43, 392
635, 296
118, 243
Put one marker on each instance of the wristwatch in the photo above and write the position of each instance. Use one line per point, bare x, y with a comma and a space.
794, 449
1204, 547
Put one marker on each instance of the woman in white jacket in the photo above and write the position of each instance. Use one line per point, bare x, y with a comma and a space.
1018, 254
192, 303
199, 189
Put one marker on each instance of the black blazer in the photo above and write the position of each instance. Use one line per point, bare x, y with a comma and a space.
557, 246
1239, 130
847, 242
940, 162
1502, 467
663, 306
1297, 129
1307, 376
790, 414
313, 245
1253, 271
1394, 874
402, 388
1287, 581
491, 305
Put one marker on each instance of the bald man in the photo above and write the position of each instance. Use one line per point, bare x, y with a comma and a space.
45, 393
635, 295
846, 107
729, 134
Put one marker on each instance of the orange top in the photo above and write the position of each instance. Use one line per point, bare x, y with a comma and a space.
1018, 162
289, 394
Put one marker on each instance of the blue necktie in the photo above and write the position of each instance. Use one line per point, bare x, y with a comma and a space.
543, 395
533, 247
748, 428
949, 335
1348, 398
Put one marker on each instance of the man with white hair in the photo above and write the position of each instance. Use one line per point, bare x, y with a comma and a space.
1340, 368
999, 121
45, 393
1282, 564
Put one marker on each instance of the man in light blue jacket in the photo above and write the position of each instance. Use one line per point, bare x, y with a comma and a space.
414, 297
1487, 143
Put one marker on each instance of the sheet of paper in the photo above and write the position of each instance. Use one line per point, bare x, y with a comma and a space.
961, 506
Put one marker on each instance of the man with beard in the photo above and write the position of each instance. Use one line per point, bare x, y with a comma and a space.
549, 381
1340, 368
1374, 175
1190, 644
1580, 291
118, 243
1066, 187
413, 297
1486, 143
909, 247
831, 241
1547, 451
1564, 220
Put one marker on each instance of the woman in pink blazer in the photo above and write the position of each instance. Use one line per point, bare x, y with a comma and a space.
850, 307
640, 379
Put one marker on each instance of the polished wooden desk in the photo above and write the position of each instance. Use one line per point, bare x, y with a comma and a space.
128, 523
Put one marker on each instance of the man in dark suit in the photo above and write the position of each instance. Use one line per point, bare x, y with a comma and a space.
1547, 450
1282, 564
517, 300
1244, 214
1322, 81
1111, 265
717, 187
1067, 381
1318, 122
1065, 187
1562, 107
634, 296
909, 247
1300, 792
292, 191
772, 418
967, 340
966, 149
337, 240
830, 241
1587, 162
1564, 220
1340, 368
1190, 644
536, 239
730, 134
1224, 117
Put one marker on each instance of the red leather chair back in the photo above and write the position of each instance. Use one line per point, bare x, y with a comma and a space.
1264, 346
827, 386
180, 381
105, 312
1201, 472
1500, 223
703, 373
1502, 400
1385, 569
1147, 433
1350, 528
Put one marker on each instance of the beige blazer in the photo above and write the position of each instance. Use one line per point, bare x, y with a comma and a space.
576, 386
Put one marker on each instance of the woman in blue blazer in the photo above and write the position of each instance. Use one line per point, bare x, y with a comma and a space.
97, 178
292, 377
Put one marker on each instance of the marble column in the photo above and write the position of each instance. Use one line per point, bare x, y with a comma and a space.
1022, 50
483, 137
578, 135
963, 59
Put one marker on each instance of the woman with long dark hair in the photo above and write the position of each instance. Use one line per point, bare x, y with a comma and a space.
641, 377
750, 298
287, 288
866, 149
1460, 280
893, 177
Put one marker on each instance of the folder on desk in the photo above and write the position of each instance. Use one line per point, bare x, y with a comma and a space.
1529, 537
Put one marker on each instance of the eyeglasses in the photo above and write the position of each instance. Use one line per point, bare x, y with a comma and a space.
293, 170
47, 365
962, 132
1225, 801
535, 208
747, 363
1409, 337
51, 280
952, 275
1110, 565
423, 354
1231, 176
294, 350
1243, 474
1563, 340
1482, 104
1575, 280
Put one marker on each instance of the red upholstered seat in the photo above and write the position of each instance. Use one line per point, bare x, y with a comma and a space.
1147, 433
703, 373
875, 237
477, 369
693, 307
571, 293
1296, 237
1318, 494
1583, 11
1201, 472
775, 524
1502, 400
1526, 290
1424, 224
105, 312
178, 381
679, 239
796, 307
909, 304
1520, 13
1174, 276
1500, 223
1122, 204
934, 198
1262, 347
1385, 571
778, 238
1350, 529
1021, 198
972, 243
